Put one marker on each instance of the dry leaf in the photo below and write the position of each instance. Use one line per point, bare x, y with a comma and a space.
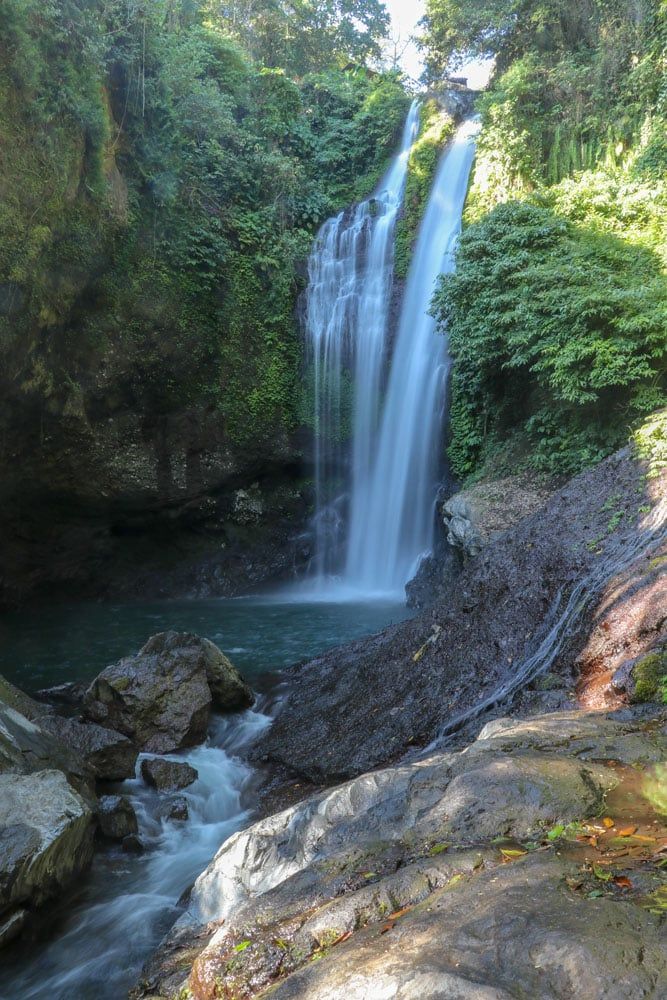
627, 831
608, 822
622, 882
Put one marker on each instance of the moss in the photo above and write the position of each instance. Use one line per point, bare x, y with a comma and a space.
435, 129
650, 676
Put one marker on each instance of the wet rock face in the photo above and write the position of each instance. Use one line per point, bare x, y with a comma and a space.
46, 840
161, 698
167, 775
116, 817
375, 699
396, 883
467, 522
111, 756
25, 747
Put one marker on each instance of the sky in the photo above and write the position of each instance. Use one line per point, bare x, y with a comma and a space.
405, 15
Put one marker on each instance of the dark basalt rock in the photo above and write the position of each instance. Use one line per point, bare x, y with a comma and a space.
111, 755
116, 818
374, 699
167, 775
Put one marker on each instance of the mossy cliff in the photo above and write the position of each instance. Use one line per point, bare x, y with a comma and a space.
158, 192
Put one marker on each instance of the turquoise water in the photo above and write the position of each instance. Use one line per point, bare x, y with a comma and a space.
48, 646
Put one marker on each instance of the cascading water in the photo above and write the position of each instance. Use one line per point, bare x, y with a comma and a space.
391, 465
391, 521
347, 305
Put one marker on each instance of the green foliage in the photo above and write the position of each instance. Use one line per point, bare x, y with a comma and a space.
305, 35
557, 316
161, 184
435, 128
650, 676
557, 330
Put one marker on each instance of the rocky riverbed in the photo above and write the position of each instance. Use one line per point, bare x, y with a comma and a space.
501, 826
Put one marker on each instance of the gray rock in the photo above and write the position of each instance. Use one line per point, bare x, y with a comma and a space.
111, 755
69, 694
25, 748
46, 841
14, 698
167, 775
160, 698
467, 797
228, 689
116, 817
513, 932
175, 809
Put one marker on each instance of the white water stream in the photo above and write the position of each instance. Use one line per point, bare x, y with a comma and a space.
350, 272
129, 902
375, 496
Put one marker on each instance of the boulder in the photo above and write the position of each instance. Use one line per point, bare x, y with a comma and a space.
111, 756
161, 698
25, 747
175, 809
517, 931
228, 689
70, 694
46, 841
116, 817
167, 775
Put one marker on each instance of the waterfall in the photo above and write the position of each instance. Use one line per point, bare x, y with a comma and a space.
350, 273
378, 407
391, 514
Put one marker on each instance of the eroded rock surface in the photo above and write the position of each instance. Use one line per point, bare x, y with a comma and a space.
398, 883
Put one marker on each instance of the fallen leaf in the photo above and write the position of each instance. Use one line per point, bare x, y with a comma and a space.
608, 822
627, 831
601, 873
242, 945
622, 882
343, 937
385, 928
399, 913
510, 853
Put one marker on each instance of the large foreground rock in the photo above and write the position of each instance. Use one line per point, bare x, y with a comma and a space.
161, 698
46, 841
398, 884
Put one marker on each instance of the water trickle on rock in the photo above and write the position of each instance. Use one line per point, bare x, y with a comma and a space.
379, 408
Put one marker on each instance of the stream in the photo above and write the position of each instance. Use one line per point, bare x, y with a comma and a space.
98, 940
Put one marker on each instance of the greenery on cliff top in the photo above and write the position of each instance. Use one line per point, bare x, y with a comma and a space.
164, 167
435, 128
557, 315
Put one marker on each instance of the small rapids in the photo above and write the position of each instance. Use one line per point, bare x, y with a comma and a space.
129, 902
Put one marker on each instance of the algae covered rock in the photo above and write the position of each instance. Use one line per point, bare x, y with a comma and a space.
228, 689
161, 699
